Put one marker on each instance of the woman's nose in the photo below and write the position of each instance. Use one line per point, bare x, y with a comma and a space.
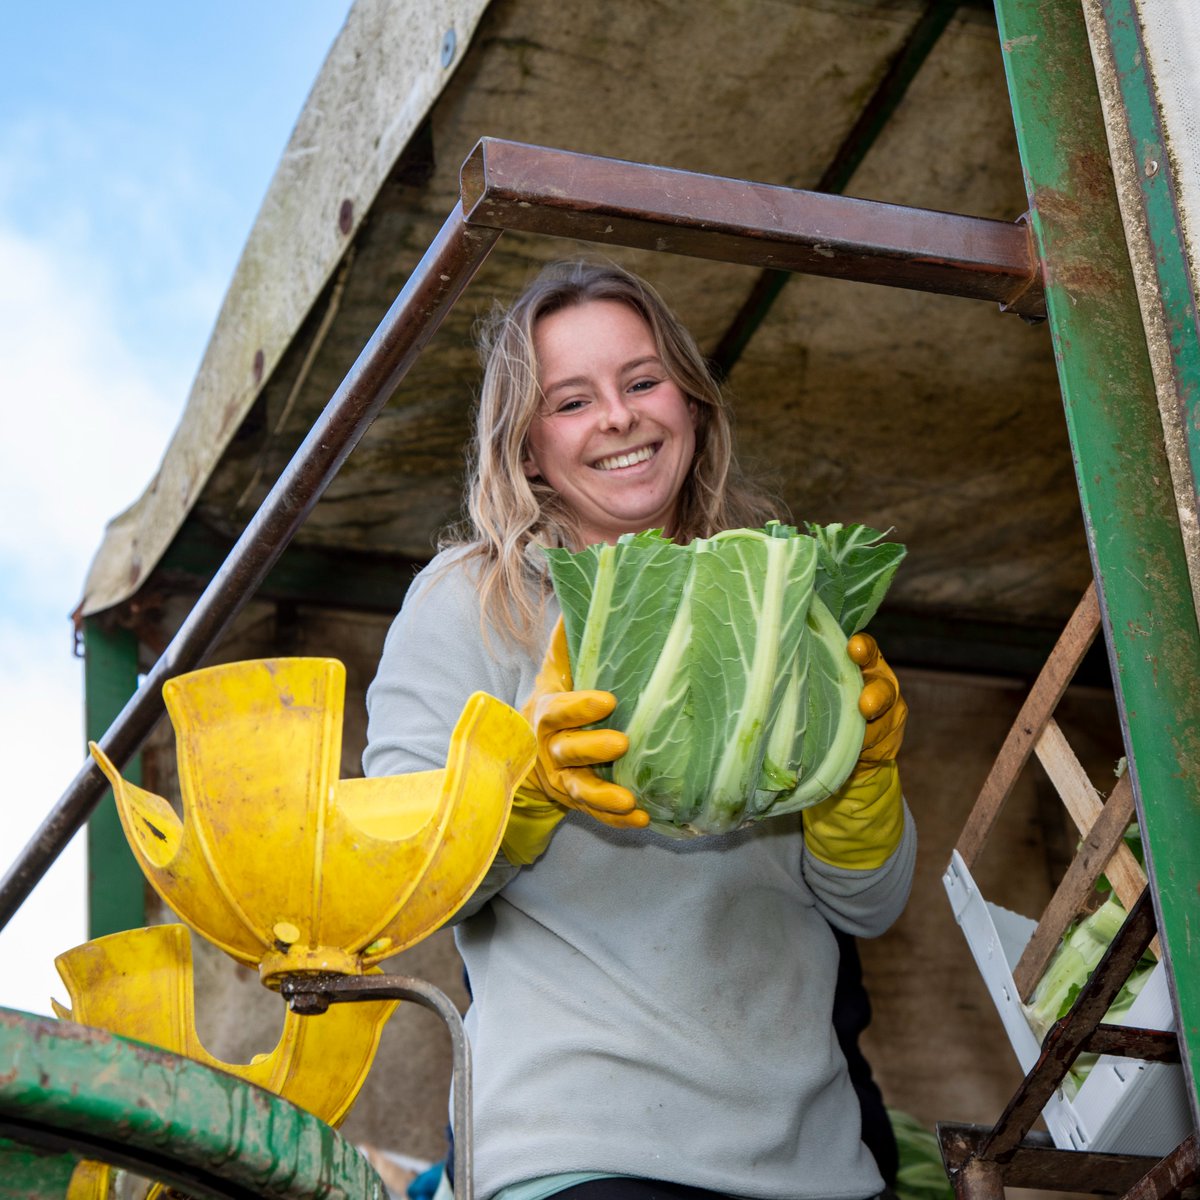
617, 414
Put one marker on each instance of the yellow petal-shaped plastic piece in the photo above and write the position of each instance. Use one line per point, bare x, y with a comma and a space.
90, 1181
139, 984
281, 863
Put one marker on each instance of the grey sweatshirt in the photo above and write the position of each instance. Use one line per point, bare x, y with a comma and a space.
641, 1005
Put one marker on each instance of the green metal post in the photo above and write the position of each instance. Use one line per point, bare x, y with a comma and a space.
1129, 508
116, 889
65, 1088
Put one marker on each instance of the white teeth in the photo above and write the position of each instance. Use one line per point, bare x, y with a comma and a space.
625, 460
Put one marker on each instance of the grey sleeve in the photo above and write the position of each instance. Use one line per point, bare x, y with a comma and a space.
865, 903
434, 658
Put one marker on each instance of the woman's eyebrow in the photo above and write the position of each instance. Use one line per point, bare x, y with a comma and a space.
582, 380
574, 382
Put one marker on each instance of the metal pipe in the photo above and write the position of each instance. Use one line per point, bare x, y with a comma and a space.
313, 994
510, 185
447, 267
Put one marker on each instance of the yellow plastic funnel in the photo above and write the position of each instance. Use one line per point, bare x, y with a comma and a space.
281, 863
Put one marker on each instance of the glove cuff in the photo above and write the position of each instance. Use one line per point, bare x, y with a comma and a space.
531, 825
860, 826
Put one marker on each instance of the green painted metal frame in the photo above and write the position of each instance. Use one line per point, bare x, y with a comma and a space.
67, 1088
1117, 438
29, 1174
1148, 197
116, 891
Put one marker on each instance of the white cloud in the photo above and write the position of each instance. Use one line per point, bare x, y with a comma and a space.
84, 429
41, 715
84, 426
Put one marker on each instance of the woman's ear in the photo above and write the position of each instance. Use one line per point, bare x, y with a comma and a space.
694, 409
529, 465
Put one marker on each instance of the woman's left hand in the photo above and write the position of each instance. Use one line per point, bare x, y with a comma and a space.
860, 825
880, 702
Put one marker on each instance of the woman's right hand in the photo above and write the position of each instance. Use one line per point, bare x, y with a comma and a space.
566, 751
562, 775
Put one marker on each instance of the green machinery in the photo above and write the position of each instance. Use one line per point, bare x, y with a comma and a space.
1102, 257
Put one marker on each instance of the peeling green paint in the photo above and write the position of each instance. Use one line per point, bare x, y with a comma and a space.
114, 1100
1117, 439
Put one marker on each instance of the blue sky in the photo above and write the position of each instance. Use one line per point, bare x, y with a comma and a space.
136, 143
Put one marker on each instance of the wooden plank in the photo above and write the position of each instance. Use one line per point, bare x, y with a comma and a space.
1077, 637
1084, 804
1095, 850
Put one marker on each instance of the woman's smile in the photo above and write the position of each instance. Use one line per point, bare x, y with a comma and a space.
626, 459
615, 435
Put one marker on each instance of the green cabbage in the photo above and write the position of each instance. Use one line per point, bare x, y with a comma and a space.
728, 660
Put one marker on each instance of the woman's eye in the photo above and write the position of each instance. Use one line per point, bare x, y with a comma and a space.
644, 385
570, 406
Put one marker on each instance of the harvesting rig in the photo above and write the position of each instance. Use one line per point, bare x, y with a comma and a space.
945, 256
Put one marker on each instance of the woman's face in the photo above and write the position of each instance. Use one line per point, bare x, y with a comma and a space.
614, 436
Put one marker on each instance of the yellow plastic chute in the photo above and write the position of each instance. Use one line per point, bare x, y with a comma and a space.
139, 984
283, 864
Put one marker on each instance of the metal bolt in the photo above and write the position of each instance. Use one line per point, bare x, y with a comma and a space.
1151, 167
346, 216
449, 45
259, 364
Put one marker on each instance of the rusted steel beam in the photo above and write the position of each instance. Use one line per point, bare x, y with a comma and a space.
510, 185
1037, 1163
1066, 1038
1170, 1176
447, 267
1152, 1045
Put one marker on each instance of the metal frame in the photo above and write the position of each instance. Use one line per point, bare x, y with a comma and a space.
311, 994
1132, 524
509, 185
1130, 514
65, 1088
981, 1162
116, 890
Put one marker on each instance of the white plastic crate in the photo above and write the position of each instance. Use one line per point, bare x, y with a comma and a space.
1124, 1106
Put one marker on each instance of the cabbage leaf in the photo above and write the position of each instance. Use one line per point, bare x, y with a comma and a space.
728, 660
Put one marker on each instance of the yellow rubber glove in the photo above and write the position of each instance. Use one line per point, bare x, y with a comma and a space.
861, 825
562, 777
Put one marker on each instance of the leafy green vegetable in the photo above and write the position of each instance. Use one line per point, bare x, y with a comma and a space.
921, 1174
728, 660
1081, 949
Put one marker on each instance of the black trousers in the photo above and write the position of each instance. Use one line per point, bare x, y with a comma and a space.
648, 1189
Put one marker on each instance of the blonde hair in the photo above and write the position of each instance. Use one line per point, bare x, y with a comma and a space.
508, 512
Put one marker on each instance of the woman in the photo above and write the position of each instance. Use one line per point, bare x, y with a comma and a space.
650, 1017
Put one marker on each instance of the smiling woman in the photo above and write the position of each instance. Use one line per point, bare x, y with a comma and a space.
615, 440
651, 1018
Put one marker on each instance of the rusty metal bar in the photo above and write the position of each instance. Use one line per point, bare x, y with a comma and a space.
1067, 1037
1038, 1163
1151, 1045
1171, 1175
447, 267
509, 185
313, 994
